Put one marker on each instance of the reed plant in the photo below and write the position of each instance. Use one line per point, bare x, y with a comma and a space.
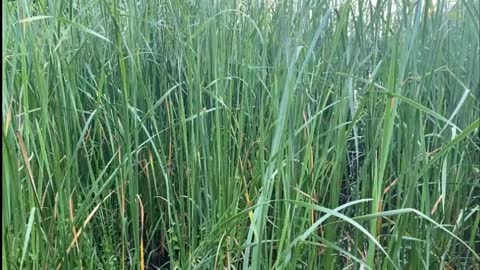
240, 134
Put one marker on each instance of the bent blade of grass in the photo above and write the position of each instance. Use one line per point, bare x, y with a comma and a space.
335, 213
283, 257
307, 123
84, 29
78, 146
75, 24
471, 128
160, 101
459, 105
420, 107
200, 29
422, 215
35, 18
409, 101
85, 223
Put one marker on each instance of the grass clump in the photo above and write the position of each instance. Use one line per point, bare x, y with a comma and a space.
240, 134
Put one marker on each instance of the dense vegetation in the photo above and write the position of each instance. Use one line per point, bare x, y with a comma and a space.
175, 134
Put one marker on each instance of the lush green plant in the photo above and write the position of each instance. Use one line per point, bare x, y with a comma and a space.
248, 134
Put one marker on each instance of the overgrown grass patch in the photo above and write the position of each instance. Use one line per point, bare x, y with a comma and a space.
240, 134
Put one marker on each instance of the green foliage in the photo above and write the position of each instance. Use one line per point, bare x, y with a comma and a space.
240, 134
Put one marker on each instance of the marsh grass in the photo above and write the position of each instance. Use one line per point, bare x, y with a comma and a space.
240, 134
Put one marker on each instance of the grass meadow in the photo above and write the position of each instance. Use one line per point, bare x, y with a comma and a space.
240, 134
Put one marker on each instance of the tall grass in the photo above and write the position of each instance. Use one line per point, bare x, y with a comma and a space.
240, 134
